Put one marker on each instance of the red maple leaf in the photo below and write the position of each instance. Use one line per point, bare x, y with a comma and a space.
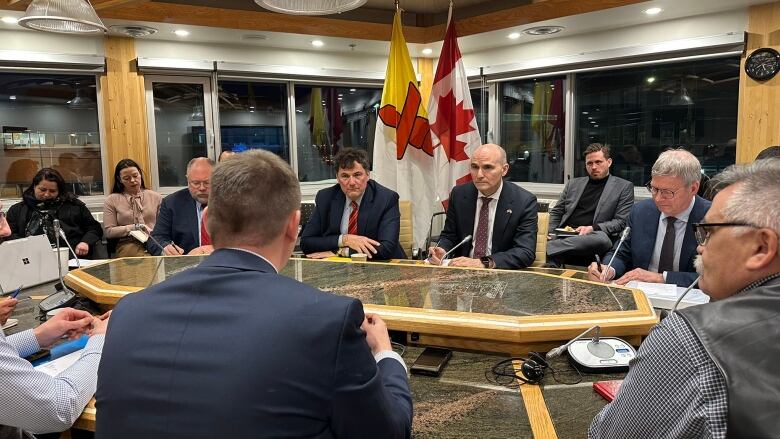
451, 121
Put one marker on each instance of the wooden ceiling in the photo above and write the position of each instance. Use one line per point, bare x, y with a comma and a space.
424, 20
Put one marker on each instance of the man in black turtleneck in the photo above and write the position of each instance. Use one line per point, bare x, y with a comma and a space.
596, 207
710, 371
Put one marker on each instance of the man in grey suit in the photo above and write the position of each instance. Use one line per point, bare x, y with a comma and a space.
596, 207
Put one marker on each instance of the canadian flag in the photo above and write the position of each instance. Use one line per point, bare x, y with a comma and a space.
454, 130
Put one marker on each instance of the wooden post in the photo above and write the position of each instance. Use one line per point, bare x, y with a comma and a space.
758, 122
124, 109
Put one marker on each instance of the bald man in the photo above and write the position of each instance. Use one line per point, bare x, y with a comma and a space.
501, 218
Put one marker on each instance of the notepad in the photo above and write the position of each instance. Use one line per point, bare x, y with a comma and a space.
10, 324
140, 236
59, 365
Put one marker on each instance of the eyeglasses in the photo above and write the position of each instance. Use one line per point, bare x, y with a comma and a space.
703, 231
194, 183
666, 194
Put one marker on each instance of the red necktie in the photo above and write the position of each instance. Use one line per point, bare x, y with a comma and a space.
205, 239
352, 229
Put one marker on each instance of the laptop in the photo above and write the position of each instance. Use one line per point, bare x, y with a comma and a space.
28, 261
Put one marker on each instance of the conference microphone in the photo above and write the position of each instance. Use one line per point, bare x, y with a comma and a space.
465, 240
60, 233
562, 348
687, 290
623, 237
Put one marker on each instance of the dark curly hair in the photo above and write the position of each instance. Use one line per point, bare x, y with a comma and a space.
50, 174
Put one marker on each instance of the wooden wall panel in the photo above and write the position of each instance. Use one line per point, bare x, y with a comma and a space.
124, 108
758, 124
425, 69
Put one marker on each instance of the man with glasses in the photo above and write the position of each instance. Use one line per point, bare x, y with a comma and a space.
711, 370
356, 215
661, 246
180, 227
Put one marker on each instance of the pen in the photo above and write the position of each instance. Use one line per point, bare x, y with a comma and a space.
598, 262
16, 292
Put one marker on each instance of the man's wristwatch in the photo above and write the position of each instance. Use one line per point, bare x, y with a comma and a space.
487, 261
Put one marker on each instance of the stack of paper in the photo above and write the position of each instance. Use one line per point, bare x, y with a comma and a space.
665, 295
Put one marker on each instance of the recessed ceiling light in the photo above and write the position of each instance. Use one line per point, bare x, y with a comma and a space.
353, 90
584, 112
427, 51
513, 35
9, 20
12, 97
543, 30
653, 11
181, 32
650, 79
317, 43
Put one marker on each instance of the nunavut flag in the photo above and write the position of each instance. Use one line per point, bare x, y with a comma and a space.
453, 121
403, 152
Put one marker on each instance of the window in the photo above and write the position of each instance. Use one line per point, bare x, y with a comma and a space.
330, 118
49, 121
253, 115
479, 100
640, 112
532, 129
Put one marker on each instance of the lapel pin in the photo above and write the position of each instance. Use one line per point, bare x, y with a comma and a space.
509, 211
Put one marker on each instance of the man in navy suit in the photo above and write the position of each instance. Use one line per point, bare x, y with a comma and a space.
501, 218
232, 349
179, 227
662, 245
369, 223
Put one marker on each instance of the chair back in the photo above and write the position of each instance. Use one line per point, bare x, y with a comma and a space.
405, 235
541, 239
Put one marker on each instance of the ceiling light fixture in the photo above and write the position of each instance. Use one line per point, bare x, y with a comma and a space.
513, 35
181, 33
653, 11
310, 7
9, 20
682, 97
317, 43
650, 79
543, 30
427, 51
62, 16
12, 97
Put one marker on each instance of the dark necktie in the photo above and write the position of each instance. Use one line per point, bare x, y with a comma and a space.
666, 261
480, 240
353, 216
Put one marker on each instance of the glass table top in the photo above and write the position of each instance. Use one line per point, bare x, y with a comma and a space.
498, 292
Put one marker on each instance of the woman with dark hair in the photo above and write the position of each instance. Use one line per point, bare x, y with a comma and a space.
49, 198
130, 207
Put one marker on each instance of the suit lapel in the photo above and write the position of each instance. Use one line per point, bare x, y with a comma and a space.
577, 190
503, 213
689, 246
366, 209
608, 188
647, 235
469, 203
336, 211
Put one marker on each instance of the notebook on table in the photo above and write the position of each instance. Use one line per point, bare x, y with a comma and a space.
607, 389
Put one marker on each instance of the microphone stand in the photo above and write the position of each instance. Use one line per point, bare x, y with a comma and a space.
687, 290
57, 232
623, 237
465, 240
560, 349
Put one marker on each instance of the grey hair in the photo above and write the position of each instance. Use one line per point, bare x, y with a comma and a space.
678, 163
197, 159
756, 198
251, 199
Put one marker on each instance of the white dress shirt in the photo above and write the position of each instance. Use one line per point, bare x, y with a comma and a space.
679, 236
36, 402
492, 207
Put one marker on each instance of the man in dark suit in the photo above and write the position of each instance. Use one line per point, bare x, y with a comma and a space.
232, 349
596, 207
500, 218
179, 227
369, 223
662, 246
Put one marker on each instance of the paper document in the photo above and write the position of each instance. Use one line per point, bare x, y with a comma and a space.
664, 295
73, 263
10, 323
56, 367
